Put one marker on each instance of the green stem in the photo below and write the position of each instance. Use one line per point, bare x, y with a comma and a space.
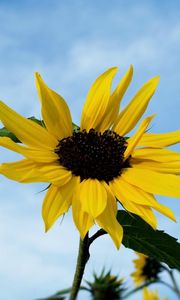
176, 288
82, 259
138, 289
166, 284
99, 233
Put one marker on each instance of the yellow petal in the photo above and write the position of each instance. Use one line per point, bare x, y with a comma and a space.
126, 198
55, 174
146, 295
24, 171
140, 261
138, 278
114, 101
41, 155
54, 206
158, 140
55, 111
67, 190
141, 210
139, 264
107, 220
38, 155
133, 141
93, 197
150, 295
120, 187
129, 117
152, 182
97, 101
124, 190
27, 131
82, 220
161, 155
166, 211
172, 167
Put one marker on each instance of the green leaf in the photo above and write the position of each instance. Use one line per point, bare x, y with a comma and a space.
140, 237
58, 296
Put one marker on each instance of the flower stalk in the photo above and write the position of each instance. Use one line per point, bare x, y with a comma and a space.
83, 257
138, 288
176, 288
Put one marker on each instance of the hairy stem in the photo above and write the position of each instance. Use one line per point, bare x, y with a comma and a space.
82, 259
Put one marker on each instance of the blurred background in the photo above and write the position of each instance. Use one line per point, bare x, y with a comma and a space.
70, 43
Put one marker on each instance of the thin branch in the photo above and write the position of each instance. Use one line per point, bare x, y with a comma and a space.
138, 288
176, 288
99, 233
166, 284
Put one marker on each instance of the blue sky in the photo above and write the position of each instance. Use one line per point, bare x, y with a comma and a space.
70, 43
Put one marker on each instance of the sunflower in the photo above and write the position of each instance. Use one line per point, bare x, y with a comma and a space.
147, 268
90, 168
106, 286
151, 295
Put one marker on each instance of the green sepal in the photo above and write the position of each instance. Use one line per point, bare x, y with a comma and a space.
39, 122
75, 127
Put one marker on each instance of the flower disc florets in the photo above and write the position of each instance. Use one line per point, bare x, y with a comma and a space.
93, 154
151, 269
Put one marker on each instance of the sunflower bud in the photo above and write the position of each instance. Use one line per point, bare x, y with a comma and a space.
147, 269
106, 286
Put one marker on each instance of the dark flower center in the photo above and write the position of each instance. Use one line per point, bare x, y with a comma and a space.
93, 154
151, 269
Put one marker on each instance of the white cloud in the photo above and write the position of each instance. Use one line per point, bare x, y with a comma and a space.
70, 46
